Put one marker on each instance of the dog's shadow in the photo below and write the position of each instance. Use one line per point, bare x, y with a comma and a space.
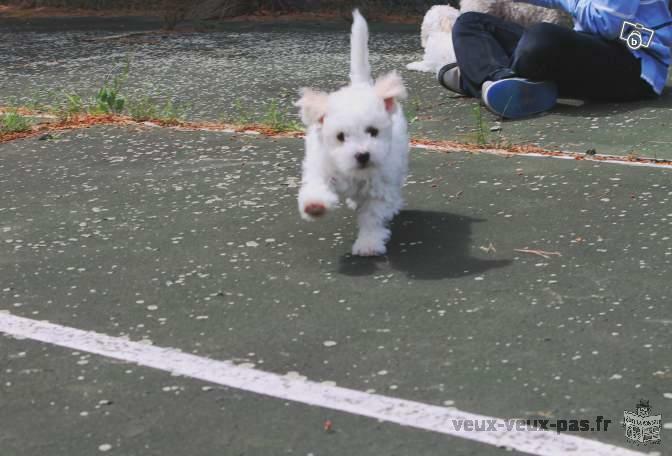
426, 245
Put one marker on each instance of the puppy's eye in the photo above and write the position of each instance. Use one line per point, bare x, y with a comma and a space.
373, 131
341, 136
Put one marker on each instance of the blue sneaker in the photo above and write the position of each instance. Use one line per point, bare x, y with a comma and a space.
518, 97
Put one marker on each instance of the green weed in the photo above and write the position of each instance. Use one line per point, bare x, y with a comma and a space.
481, 127
146, 109
72, 106
412, 110
108, 99
142, 109
13, 122
277, 119
242, 115
171, 112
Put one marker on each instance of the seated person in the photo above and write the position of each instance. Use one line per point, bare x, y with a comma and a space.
520, 72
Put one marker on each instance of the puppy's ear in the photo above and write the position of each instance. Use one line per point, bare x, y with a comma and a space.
313, 106
390, 88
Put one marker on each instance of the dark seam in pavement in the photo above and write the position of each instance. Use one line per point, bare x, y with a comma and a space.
439, 146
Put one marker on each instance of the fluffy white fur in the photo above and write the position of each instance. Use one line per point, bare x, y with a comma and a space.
437, 39
437, 25
364, 117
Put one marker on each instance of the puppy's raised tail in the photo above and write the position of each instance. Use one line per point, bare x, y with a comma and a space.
360, 70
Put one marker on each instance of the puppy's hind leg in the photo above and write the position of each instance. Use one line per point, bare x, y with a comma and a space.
422, 66
372, 218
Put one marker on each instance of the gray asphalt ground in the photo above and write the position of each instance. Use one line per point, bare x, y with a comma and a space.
192, 240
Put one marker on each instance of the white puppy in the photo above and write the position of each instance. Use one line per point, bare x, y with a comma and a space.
356, 147
437, 26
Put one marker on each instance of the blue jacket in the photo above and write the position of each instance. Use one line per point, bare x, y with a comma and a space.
605, 18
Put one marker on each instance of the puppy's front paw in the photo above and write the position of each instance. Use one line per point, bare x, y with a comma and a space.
313, 204
369, 246
314, 209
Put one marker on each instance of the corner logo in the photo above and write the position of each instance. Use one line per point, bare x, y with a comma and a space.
636, 35
641, 427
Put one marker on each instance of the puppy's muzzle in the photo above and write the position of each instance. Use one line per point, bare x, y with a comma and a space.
362, 158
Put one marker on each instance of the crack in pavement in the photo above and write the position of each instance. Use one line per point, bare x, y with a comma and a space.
258, 129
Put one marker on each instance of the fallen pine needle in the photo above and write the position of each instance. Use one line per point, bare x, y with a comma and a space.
541, 253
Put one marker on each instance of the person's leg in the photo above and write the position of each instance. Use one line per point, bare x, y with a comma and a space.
583, 65
484, 45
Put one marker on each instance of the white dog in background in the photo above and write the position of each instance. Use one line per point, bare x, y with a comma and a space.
437, 39
356, 147
437, 26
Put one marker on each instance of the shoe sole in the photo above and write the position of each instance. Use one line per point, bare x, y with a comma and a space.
516, 98
442, 73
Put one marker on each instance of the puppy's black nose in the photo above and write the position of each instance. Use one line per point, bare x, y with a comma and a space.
362, 157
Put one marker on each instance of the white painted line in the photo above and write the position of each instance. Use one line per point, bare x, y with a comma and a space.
598, 158
385, 408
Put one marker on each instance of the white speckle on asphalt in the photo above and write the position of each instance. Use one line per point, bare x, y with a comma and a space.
295, 375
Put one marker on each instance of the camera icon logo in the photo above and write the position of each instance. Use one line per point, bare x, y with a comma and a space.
636, 35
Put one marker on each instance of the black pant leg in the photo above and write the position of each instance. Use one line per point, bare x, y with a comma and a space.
583, 65
484, 46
